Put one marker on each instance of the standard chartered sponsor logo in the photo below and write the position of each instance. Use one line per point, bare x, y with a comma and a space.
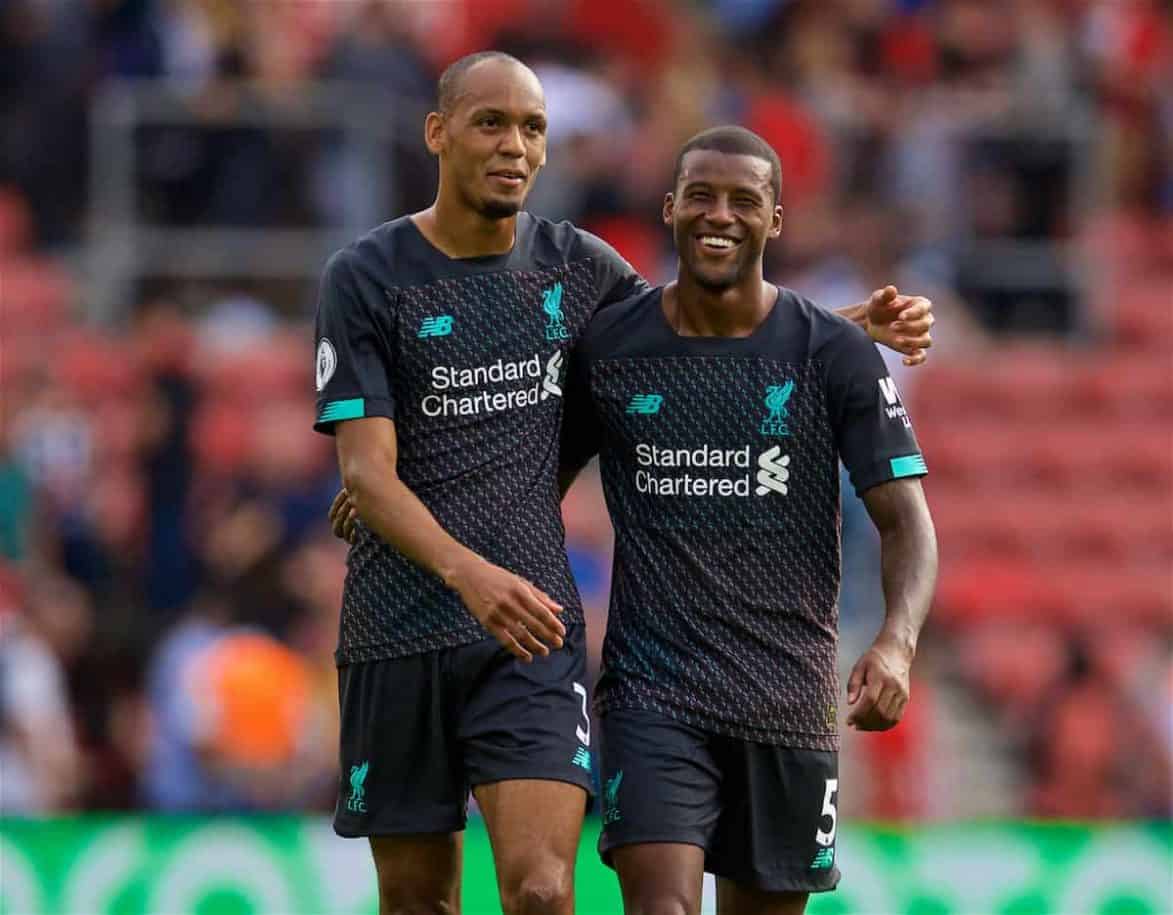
533, 380
721, 465
773, 471
550, 385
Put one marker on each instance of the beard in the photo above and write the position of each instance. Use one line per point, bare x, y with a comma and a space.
499, 209
716, 283
715, 280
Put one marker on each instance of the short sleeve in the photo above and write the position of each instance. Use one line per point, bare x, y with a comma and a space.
580, 426
873, 431
353, 354
615, 278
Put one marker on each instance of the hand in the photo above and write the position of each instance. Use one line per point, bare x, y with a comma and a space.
520, 616
877, 690
344, 517
901, 322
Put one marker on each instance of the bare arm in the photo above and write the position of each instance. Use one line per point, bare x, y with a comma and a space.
908, 553
521, 617
879, 686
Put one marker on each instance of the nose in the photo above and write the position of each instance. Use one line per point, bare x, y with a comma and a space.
719, 212
511, 143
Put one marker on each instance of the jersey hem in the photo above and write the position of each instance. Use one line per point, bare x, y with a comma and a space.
799, 740
432, 641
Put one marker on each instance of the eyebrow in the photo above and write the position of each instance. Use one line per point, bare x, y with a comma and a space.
700, 183
497, 112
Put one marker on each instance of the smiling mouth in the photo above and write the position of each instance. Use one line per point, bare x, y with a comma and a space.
718, 244
510, 179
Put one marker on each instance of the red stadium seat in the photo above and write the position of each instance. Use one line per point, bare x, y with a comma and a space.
993, 589
1015, 665
948, 392
1057, 590
1129, 385
1143, 317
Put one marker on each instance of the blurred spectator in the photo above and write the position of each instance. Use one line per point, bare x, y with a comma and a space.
1082, 773
42, 628
16, 503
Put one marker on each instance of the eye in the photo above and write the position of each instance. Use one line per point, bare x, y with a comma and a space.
536, 126
699, 195
488, 120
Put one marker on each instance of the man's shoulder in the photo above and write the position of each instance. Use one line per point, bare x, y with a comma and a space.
620, 321
564, 241
827, 330
375, 251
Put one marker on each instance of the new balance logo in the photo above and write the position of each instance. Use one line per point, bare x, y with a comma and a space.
645, 403
438, 326
582, 758
824, 859
773, 471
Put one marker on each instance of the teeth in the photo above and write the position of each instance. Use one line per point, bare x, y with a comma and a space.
717, 242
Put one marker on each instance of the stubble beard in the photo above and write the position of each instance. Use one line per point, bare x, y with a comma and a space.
499, 209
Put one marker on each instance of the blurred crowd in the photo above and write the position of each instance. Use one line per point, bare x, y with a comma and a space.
169, 589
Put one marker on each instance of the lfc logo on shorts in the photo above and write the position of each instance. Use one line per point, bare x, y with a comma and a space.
611, 798
356, 803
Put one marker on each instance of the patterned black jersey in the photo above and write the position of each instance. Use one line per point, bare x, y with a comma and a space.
467, 356
720, 461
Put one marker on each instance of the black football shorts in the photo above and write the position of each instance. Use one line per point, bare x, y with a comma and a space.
417, 733
765, 815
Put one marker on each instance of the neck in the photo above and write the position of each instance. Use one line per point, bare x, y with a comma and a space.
695, 311
460, 231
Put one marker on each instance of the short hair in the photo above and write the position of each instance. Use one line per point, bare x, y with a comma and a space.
735, 141
449, 88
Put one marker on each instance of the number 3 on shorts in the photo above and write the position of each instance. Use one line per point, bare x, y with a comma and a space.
584, 737
826, 838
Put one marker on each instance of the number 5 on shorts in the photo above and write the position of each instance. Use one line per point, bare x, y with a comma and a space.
826, 838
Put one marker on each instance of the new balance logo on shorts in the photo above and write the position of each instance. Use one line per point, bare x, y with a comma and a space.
582, 758
824, 859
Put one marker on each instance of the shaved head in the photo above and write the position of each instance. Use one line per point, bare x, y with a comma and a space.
450, 88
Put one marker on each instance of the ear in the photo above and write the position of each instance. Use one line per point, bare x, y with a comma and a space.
776, 222
434, 132
669, 208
